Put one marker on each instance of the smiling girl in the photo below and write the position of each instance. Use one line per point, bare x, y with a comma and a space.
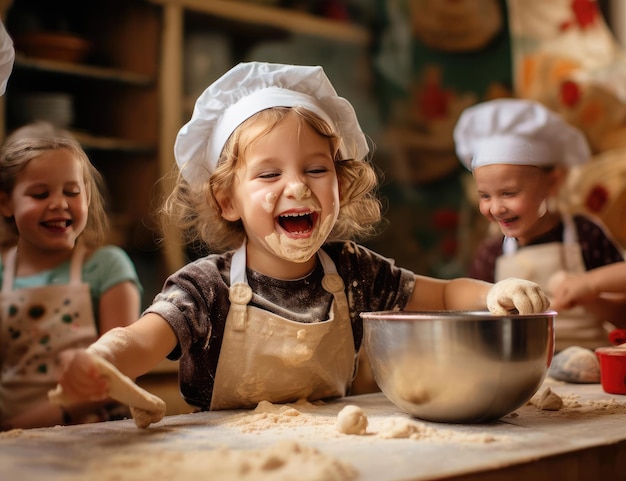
273, 175
61, 287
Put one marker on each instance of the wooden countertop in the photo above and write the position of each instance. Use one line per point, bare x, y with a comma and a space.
584, 440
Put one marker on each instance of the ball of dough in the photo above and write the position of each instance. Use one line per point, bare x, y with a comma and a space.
575, 364
352, 420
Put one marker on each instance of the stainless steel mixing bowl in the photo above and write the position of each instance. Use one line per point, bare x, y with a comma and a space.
458, 366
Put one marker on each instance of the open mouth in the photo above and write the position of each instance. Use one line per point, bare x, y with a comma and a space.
507, 221
298, 222
57, 224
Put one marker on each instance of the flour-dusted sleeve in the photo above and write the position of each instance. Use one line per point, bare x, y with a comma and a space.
192, 301
374, 282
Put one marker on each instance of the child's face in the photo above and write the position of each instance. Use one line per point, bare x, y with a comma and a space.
514, 197
286, 194
49, 202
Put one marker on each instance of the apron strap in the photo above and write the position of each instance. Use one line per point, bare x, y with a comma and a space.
9, 270
332, 281
570, 236
238, 265
76, 266
240, 294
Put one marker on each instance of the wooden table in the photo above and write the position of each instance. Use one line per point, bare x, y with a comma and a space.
586, 440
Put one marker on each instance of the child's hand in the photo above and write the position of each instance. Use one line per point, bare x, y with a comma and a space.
571, 291
88, 376
80, 379
516, 295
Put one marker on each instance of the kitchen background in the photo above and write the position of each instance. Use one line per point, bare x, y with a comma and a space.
122, 75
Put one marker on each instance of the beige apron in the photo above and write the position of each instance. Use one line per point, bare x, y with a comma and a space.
36, 324
538, 263
265, 357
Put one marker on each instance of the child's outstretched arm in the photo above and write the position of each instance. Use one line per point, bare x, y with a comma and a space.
133, 350
601, 291
574, 289
504, 297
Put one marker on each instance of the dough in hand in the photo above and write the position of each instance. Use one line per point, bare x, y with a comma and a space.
146, 407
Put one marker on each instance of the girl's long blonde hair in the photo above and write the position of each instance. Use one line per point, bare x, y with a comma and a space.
195, 210
29, 142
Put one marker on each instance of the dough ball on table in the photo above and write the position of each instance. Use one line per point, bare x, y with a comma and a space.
575, 364
352, 420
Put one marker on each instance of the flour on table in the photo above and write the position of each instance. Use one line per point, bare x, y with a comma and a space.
267, 415
394, 428
352, 420
284, 461
572, 406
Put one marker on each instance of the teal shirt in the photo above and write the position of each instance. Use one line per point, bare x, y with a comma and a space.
103, 269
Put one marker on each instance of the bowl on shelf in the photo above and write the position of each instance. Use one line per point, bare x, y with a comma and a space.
54, 107
60, 46
458, 366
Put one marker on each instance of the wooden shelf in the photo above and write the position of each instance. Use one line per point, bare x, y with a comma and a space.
81, 70
288, 20
89, 141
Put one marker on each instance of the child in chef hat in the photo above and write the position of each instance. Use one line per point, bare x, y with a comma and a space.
274, 175
518, 152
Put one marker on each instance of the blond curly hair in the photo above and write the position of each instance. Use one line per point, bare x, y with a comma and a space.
195, 210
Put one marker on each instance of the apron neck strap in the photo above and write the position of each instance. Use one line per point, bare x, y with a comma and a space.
9, 269
238, 265
570, 236
76, 265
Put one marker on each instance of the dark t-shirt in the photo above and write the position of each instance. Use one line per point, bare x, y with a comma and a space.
597, 248
194, 301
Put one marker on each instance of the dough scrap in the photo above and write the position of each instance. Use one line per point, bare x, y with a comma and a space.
145, 407
547, 400
352, 420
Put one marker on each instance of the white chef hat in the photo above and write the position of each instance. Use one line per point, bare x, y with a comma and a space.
518, 132
249, 88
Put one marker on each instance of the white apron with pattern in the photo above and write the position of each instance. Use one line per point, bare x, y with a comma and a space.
266, 357
537, 263
38, 323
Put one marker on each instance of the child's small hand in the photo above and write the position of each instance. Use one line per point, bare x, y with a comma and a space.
516, 295
572, 291
80, 379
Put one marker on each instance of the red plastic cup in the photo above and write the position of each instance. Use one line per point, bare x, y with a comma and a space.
612, 368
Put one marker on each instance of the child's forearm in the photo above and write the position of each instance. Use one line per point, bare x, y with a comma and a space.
138, 348
609, 278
